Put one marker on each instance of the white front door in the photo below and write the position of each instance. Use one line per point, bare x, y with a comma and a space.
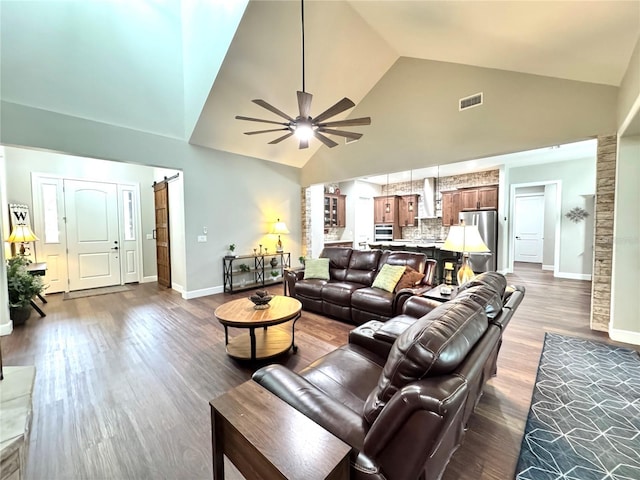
529, 228
92, 234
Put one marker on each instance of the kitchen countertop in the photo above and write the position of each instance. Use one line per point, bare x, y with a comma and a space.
412, 243
333, 242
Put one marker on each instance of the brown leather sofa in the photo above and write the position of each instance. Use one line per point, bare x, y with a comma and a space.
401, 398
348, 294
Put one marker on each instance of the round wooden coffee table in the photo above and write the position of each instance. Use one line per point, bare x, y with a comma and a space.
262, 343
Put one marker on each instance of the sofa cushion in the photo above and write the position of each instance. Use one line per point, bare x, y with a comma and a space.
434, 345
339, 293
338, 261
414, 260
316, 268
311, 288
495, 280
363, 266
372, 299
486, 297
410, 278
388, 277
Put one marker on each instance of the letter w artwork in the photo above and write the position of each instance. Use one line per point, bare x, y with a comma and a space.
21, 232
19, 214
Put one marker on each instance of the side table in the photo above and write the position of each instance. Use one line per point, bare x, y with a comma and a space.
436, 294
265, 437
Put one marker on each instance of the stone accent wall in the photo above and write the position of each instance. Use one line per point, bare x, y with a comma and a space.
603, 244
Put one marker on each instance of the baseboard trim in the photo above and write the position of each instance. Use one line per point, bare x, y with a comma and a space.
573, 276
152, 278
177, 287
6, 328
547, 268
625, 336
201, 293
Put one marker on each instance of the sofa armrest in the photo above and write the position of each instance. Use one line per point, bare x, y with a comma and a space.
418, 306
405, 294
415, 422
309, 400
290, 277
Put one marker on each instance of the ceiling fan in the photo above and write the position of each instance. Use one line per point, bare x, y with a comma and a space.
304, 126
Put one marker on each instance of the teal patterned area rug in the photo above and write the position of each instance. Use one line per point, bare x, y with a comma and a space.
584, 421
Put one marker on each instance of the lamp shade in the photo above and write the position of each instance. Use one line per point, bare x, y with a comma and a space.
280, 228
466, 239
22, 233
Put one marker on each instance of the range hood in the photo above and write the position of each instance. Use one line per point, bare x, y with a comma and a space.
428, 199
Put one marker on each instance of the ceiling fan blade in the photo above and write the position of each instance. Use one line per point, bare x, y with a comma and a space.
352, 122
304, 143
304, 103
266, 131
341, 106
279, 139
271, 108
326, 140
341, 133
250, 119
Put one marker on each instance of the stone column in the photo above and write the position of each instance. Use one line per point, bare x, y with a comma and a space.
603, 244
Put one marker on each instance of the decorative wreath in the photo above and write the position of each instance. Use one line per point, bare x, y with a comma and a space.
577, 214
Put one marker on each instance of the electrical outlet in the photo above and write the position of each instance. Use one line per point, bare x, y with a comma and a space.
149, 236
202, 238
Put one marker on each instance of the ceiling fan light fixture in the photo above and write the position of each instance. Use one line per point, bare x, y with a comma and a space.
304, 130
304, 126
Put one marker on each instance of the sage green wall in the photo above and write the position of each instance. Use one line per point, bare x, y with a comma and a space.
416, 122
630, 88
21, 163
235, 197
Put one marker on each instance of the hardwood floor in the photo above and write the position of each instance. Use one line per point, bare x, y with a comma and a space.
123, 380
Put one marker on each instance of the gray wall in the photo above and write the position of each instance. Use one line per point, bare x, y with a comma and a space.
416, 122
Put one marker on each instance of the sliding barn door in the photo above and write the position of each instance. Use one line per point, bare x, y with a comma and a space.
163, 257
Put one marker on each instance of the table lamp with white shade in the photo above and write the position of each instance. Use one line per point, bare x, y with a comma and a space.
465, 239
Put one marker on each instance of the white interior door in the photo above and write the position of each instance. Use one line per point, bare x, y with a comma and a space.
529, 228
92, 234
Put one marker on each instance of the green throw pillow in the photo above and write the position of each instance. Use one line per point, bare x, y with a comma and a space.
316, 268
388, 277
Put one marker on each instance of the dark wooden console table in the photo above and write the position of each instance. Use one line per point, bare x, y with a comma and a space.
265, 437
39, 269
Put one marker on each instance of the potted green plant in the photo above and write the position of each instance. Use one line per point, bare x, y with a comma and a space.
243, 267
22, 287
274, 274
301, 259
232, 248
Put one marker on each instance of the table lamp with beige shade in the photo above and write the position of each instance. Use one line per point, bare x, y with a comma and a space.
22, 234
279, 228
465, 239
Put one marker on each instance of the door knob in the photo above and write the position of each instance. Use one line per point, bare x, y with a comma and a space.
517, 238
114, 248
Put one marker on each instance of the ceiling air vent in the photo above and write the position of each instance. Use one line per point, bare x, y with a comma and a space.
470, 102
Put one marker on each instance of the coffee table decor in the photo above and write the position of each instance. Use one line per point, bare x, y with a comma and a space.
261, 299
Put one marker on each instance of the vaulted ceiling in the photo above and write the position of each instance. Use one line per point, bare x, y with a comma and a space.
352, 45
185, 69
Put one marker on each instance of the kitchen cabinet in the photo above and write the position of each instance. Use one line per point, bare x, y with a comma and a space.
334, 210
479, 198
450, 208
406, 217
380, 215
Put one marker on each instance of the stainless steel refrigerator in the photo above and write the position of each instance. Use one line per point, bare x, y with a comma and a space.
487, 223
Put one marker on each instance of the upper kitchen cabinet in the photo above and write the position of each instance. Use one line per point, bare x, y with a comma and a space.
408, 210
450, 208
479, 198
334, 210
380, 213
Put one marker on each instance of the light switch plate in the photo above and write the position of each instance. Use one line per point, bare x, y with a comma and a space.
202, 238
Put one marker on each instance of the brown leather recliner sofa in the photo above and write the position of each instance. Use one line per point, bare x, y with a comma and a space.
348, 294
401, 396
